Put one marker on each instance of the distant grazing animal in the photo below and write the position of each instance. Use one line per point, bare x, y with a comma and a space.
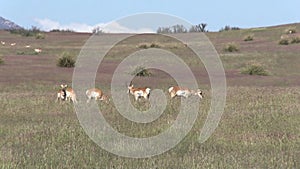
139, 92
2, 43
38, 50
66, 93
27, 46
184, 92
13, 44
96, 94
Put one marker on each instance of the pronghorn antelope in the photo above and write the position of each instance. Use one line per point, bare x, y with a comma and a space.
13, 44
139, 92
96, 94
2, 43
178, 91
61, 95
37, 50
66, 93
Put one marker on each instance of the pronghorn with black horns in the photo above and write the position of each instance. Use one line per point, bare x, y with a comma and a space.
139, 92
184, 92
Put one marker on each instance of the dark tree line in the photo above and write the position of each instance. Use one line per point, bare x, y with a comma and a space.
181, 29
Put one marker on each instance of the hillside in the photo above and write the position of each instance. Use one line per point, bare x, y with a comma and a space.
6, 24
281, 61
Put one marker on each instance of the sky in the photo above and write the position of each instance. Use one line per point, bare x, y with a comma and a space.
83, 16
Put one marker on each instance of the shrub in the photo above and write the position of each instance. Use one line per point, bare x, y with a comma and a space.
143, 46
231, 47
20, 53
255, 69
284, 42
154, 45
66, 60
295, 40
290, 31
1, 60
249, 38
146, 46
140, 71
40, 36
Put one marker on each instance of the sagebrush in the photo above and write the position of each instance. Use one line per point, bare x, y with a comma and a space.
66, 60
140, 71
231, 47
254, 69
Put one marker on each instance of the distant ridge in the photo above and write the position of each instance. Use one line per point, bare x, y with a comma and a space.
8, 25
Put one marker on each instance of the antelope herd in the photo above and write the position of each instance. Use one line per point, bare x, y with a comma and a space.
36, 50
67, 93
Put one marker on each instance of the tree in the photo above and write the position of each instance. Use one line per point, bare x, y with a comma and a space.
97, 30
164, 30
173, 29
179, 29
198, 28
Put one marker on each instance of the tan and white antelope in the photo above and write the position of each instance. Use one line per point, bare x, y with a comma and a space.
37, 50
66, 93
96, 94
184, 92
61, 95
13, 44
139, 92
2, 43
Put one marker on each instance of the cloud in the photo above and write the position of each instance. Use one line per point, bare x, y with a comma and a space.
111, 27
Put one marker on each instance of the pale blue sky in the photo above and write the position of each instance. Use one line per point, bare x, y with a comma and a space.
81, 15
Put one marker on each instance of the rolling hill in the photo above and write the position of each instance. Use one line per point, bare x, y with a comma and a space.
8, 25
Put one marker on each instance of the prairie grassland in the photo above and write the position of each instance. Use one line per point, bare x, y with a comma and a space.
259, 129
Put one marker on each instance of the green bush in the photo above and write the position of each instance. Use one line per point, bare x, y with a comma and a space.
254, 69
231, 47
40, 36
66, 60
143, 46
20, 53
284, 42
1, 60
140, 71
249, 38
295, 40
154, 45
146, 46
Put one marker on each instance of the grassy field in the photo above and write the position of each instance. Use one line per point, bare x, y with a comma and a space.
260, 127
